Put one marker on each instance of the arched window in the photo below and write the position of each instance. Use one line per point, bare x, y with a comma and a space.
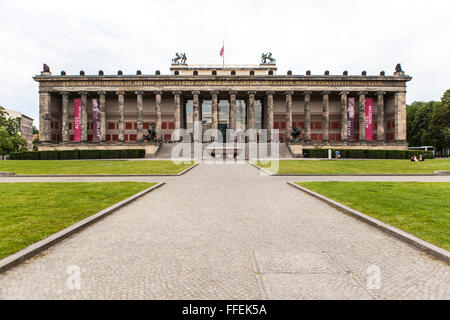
214, 72
270, 72
195, 73
252, 72
233, 72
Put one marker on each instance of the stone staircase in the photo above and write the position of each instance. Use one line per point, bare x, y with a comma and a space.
165, 151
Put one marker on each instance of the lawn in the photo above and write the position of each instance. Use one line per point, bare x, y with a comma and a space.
359, 166
30, 212
37, 167
419, 208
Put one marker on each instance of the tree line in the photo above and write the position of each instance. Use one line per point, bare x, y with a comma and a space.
10, 138
428, 123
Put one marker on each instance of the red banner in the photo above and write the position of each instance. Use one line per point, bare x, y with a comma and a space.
77, 117
351, 119
369, 119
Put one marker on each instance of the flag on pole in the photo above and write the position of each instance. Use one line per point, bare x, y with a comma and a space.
222, 54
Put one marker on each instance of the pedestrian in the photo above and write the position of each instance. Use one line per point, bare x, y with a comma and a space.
421, 158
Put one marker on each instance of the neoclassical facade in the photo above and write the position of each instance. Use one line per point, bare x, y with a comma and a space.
235, 97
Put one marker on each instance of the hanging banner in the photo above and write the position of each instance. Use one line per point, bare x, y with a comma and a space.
77, 117
369, 119
351, 119
95, 120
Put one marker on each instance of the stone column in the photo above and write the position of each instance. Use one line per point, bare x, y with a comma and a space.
140, 118
121, 105
195, 111
289, 114
344, 103
269, 95
102, 102
65, 116
251, 110
84, 117
307, 128
44, 116
215, 109
400, 116
233, 110
380, 116
177, 111
158, 97
326, 115
362, 116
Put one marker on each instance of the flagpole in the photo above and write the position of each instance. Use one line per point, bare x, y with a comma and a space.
223, 56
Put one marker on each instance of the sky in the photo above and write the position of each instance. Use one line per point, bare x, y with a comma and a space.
314, 35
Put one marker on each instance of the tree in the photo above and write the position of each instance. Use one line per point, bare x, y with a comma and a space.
428, 123
10, 138
35, 130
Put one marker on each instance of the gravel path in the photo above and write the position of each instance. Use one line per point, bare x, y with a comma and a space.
228, 232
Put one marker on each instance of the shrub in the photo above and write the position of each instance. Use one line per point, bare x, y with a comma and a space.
78, 154
69, 154
367, 153
49, 155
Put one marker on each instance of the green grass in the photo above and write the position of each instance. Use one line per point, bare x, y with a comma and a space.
358, 166
37, 167
419, 208
30, 212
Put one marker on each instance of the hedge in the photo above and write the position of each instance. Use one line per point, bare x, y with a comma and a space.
78, 154
367, 153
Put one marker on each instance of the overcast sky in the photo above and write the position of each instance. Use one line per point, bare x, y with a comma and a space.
129, 35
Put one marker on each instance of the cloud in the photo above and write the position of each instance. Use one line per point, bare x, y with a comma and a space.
317, 35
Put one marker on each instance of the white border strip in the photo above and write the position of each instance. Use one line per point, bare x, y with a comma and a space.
32, 250
402, 235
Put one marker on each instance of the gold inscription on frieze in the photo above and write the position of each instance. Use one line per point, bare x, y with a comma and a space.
206, 83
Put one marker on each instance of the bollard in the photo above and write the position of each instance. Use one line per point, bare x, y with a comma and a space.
329, 154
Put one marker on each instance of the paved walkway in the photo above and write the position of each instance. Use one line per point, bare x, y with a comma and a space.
228, 232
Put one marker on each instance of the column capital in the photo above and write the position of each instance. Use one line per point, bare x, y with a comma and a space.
196, 92
101, 92
214, 92
290, 92
64, 93
140, 92
342, 93
120, 92
381, 93
158, 92
85, 93
176, 93
251, 92
325, 93
270, 92
307, 93
233, 92
362, 93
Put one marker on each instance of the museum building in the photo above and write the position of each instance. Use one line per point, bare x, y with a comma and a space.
102, 111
